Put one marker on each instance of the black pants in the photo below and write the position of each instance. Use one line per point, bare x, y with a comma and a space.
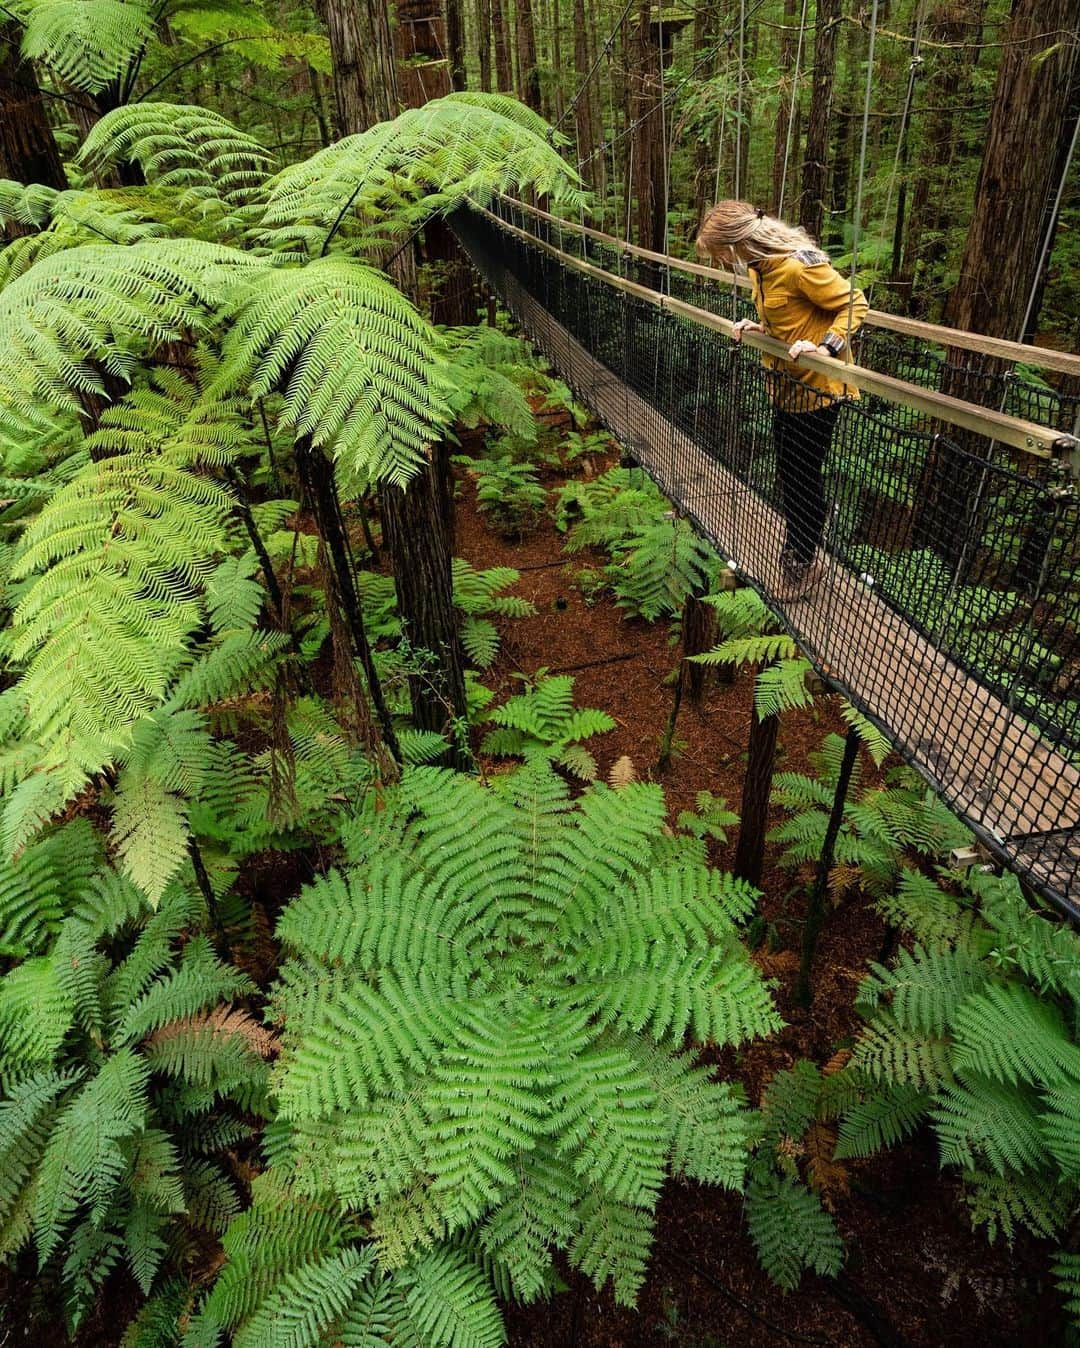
802, 440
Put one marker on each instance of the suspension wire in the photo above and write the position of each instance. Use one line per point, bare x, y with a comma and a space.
675, 89
791, 109
664, 139
739, 100
862, 164
913, 72
604, 51
1049, 234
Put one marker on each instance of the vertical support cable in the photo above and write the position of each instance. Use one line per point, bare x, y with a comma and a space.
791, 109
857, 226
739, 101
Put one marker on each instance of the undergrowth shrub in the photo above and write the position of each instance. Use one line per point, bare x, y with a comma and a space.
543, 723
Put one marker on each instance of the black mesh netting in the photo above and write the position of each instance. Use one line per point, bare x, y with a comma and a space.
933, 577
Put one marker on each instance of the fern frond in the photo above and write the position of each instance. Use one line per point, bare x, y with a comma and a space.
354, 360
791, 1231
180, 146
1007, 1034
980, 1121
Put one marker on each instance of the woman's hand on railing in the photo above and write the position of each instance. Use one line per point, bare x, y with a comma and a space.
744, 325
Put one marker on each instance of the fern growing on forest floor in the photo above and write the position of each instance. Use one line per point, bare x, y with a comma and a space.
543, 723
878, 824
973, 1030
126, 1074
485, 1017
656, 559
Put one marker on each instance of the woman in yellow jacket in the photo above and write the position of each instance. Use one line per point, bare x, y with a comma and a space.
803, 301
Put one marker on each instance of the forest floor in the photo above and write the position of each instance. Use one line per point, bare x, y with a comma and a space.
912, 1256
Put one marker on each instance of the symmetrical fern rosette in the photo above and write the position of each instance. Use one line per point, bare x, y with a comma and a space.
488, 1014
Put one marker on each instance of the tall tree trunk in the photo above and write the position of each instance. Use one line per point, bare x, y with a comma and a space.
949, 63
483, 42
455, 43
816, 165
1029, 124
587, 138
788, 45
365, 86
504, 72
647, 182
28, 150
417, 521
528, 71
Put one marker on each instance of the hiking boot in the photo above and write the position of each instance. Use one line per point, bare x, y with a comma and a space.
797, 577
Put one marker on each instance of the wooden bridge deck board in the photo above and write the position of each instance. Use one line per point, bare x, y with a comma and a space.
979, 755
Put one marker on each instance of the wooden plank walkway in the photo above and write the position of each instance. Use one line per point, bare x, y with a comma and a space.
980, 756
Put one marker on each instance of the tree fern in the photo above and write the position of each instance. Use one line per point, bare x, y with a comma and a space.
354, 360
427, 159
497, 1054
179, 146
543, 722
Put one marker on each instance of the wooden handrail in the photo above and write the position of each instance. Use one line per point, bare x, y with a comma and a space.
1040, 441
1064, 362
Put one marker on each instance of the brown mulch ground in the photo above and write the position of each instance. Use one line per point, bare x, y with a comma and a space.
913, 1260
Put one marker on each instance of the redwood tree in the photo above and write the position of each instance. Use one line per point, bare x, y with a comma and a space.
816, 164
1031, 120
28, 150
418, 521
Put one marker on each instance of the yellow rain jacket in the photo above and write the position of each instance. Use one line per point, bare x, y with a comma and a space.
801, 297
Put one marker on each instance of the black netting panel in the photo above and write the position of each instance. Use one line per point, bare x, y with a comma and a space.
935, 580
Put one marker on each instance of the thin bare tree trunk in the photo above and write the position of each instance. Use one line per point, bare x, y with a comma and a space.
483, 42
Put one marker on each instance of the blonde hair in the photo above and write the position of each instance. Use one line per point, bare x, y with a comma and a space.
737, 224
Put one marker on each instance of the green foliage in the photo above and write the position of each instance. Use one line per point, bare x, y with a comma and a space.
879, 823
507, 491
543, 723
105, 1088
656, 559
974, 1030
791, 1229
354, 360
486, 1016
477, 596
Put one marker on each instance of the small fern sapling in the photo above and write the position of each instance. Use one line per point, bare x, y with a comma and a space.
508, 492
486, 1024
543, 723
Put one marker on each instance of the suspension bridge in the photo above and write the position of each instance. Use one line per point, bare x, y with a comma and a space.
948, 607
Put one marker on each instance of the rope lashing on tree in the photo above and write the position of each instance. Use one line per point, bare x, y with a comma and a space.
986, 708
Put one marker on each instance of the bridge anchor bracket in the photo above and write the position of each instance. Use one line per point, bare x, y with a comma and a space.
977, 856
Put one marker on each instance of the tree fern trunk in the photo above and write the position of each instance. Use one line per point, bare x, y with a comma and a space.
757, 785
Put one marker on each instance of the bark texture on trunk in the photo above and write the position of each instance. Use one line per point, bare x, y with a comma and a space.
415, 523
28, 152
647, 172
754, 813
455, 43
1029, 124
483, 42
788, 44
504, 69
365, 87
816, 164
528, 72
